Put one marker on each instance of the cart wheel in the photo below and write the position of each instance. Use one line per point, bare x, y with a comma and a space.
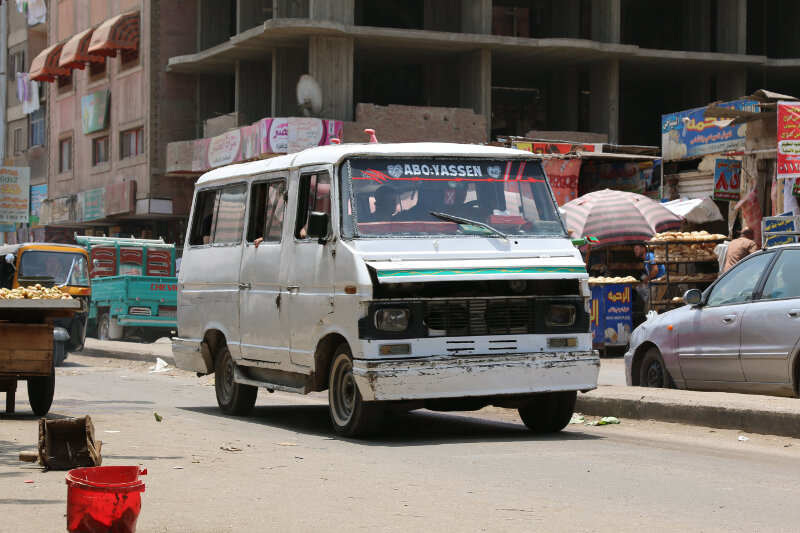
40, 393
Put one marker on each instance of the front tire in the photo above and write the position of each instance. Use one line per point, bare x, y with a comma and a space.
40, 393
351, 416
233, 398
59, 353
548, 412
653, 372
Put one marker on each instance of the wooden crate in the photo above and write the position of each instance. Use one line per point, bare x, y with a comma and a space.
26, 349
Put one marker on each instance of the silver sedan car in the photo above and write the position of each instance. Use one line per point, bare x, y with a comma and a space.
742, 334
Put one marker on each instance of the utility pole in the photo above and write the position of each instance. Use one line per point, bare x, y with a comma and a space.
3, 85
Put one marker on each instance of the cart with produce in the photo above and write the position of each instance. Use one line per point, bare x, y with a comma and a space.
27, 342
690, 263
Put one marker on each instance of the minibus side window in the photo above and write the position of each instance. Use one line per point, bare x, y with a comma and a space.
229, 222
267, 207
202, 225
317, 189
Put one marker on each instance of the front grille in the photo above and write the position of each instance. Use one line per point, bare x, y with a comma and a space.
140, 311
490, 316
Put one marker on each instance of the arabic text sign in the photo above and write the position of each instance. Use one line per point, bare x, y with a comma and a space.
618, 314
596, 314
689, 133
15, 192
788, 140
727, 179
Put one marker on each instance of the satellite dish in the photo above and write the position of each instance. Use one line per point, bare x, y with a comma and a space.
309, 95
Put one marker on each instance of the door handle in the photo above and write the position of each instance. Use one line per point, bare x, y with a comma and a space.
244, 286
728, 319
794, 313
293, 288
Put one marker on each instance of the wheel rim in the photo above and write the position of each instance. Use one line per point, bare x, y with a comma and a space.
226, 379
343, 392
103, 331
655, 376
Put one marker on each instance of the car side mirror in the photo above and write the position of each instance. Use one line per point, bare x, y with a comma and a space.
11, 259
318, 225
692, 297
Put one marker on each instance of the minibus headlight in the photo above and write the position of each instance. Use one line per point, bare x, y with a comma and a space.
559, 315
392, 319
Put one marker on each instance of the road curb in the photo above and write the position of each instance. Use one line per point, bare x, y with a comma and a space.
784, 424
130, 356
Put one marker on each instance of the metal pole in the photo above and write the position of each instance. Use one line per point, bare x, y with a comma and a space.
3, 84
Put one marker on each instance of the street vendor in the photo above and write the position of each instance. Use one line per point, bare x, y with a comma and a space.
652, 270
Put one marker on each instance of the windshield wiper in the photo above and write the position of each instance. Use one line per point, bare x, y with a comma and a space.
461, 220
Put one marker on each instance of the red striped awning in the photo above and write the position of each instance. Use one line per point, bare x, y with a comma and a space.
118, 33
76, 51
45, 67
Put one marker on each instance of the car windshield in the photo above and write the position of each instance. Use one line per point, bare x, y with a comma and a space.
65, 268
424, 197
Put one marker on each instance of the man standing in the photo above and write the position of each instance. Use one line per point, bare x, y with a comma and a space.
740, 248
652, 270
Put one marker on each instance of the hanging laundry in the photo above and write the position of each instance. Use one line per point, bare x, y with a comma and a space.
32, 103
22, 86
22, 6
37, 12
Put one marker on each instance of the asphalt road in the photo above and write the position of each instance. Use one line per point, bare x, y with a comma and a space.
282, 468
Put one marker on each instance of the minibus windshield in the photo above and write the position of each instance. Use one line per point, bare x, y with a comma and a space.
425, 197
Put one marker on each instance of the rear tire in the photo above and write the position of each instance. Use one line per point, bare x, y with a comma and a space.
351, 416
232, 397
59, 353
548, 412
653, 372
102, 327
40, 393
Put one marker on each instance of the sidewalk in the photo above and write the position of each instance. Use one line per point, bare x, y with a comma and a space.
768, 415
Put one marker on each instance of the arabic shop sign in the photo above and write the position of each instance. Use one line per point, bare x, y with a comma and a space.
690, 134
15, 193
788, 140
727, 179
611, 314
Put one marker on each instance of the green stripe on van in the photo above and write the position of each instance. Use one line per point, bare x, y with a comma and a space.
480, 271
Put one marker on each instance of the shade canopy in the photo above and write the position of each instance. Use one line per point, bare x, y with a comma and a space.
118, 33
618, 217
45, 67
76, 51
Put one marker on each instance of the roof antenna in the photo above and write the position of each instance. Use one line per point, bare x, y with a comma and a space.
372, 138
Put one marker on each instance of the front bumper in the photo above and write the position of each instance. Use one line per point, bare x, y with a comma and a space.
628, 363
190, 355
478, 375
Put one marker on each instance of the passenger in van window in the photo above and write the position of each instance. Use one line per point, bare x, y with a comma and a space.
205, 228
386, 201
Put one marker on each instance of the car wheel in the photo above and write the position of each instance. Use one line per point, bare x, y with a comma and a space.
102, 327
548, 412
233, 398
350, 414
40, 393
59, 353
653, 372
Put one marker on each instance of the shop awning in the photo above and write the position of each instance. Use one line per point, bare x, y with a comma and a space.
76, 51
45, 67
118, 33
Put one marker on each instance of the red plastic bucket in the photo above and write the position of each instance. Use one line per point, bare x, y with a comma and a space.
104, 498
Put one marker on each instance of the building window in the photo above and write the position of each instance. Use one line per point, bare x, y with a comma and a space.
132, 143
18, 148
97, 69
65, 82
100, 149
128, 58
37, 127
16, 63
65, 155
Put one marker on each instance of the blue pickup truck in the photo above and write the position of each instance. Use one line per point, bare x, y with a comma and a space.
134, 287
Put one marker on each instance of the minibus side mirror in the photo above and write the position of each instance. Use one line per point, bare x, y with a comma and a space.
11, 259
318, 225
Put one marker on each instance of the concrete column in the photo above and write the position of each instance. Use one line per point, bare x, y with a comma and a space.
696, 20
476, 17
288, 64
567, 19
563, 100
731, 84
330, 62
604, 99
732, 26
341, 11
290, 9
475, 89
606, 20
